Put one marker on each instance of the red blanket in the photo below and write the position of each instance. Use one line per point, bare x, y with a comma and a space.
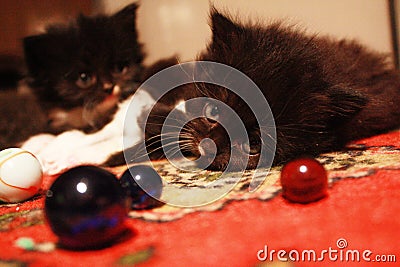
356, 224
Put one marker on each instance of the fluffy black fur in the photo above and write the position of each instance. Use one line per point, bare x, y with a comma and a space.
79, 72
77, 75
323, 93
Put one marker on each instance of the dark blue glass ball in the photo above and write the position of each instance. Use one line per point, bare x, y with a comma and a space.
144, 185
86, 207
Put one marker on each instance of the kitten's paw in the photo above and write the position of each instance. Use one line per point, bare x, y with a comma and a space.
74, 148
57, 153
37, 143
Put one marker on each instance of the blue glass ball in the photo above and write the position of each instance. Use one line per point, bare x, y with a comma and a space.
86, 207
144, 185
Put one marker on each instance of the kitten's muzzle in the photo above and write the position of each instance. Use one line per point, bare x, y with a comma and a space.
207, 147
111, 89
208, 151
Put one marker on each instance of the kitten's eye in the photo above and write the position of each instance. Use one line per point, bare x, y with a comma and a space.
121, 67
85, 80
211, 112
251, 149
254, 147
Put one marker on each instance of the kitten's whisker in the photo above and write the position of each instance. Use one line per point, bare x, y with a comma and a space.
227, 75
186, 137
171, 135
268, 134
270, 137
191, 77
268, 146
186, 146
297, 127
139, 154
164, 117
159, 139
293, 96
207, 73
87, 114
165, 146
175, 149
208, 92
172, 151
199, 89
177, 143
167, 125
167, 137
154, 143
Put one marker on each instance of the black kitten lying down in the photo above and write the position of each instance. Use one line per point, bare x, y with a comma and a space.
323, 93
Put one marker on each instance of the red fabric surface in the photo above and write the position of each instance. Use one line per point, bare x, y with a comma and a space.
389, 139
363, 211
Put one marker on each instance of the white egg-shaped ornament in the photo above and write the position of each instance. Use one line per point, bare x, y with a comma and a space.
21, 175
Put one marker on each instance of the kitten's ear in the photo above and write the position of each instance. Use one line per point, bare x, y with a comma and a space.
127, 16
129, 9
222, 27
46, 53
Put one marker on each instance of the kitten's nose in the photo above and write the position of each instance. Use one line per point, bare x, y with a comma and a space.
208, 152
111, 89
107, 86
207, 146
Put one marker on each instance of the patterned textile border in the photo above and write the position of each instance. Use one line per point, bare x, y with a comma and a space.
359, 160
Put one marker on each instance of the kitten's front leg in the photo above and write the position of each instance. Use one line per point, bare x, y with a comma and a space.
61, 119
152, 147
36, 144
73, 148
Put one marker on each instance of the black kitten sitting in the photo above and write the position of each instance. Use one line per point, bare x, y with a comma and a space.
323, 93
81, 71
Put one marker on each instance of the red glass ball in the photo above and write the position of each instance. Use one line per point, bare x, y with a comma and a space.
304, 180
